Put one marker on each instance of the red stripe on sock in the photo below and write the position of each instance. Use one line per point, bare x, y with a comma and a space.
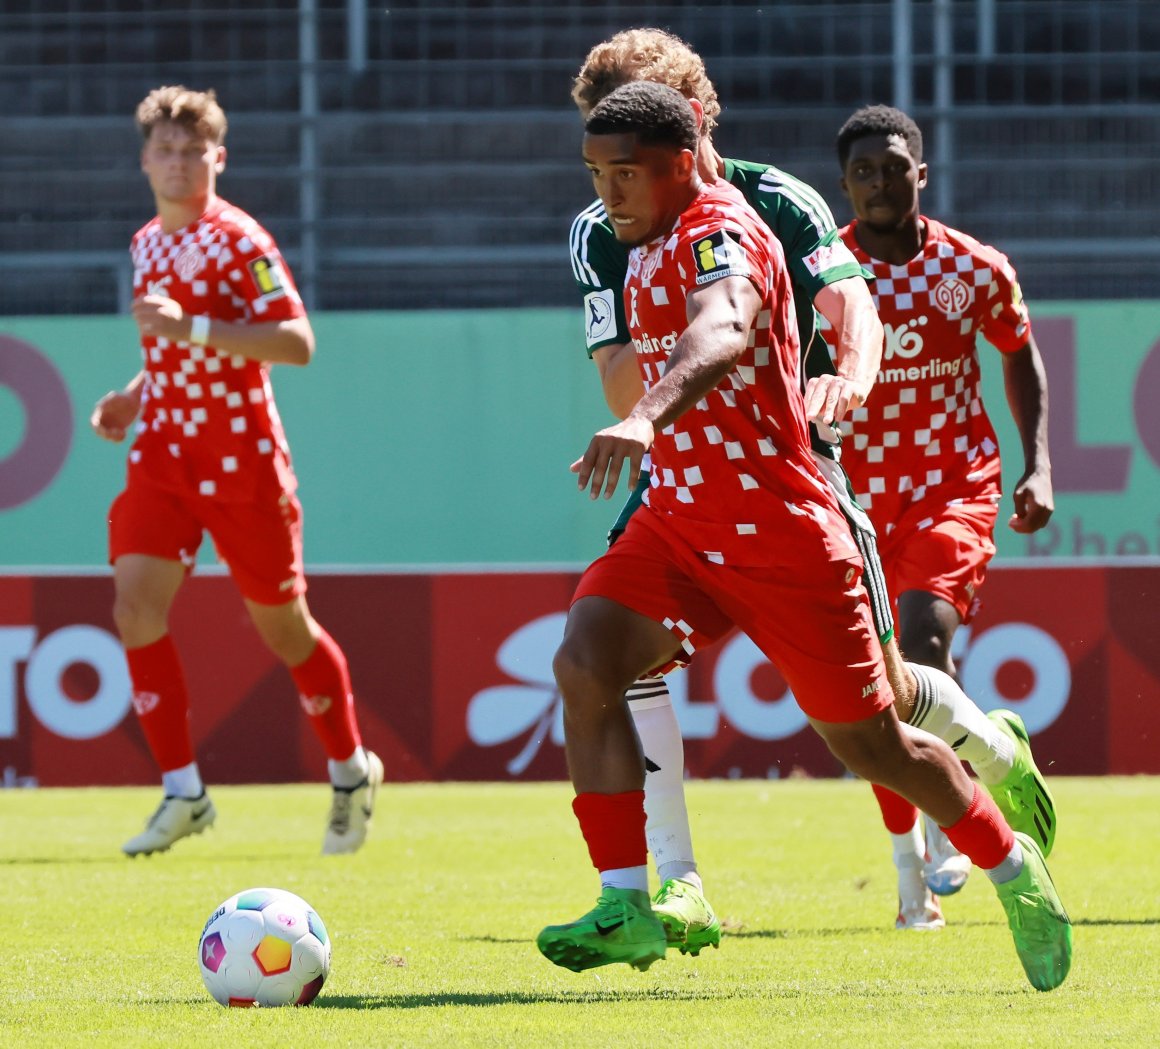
613, 827
898, 814
161, 702
982, 833
323, 682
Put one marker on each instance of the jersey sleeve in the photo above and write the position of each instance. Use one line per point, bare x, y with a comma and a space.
1006, 324
259, 276
599, 265
801, 219
716, 250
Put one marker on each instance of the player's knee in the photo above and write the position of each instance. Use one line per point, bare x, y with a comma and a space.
929, 648
138, 622
582, 675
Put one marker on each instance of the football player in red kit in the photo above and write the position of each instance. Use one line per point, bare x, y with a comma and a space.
215, 305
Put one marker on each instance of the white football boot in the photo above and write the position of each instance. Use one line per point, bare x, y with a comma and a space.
946, 869
351, 810
175, 818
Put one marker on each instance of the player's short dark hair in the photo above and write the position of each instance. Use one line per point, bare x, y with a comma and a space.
658, 115
879, 120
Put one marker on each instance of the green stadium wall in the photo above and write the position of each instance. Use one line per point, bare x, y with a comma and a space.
444, 438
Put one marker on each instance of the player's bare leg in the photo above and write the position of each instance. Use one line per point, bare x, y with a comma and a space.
925, 771
318, 667
145, 588
605, 648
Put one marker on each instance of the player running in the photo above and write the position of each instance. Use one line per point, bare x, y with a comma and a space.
823, 274
215, 306
923, 458
741, 529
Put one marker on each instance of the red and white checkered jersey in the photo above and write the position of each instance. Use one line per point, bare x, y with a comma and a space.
924, 437
733, 476
209, 425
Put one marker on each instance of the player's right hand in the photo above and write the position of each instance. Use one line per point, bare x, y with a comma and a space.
114, 414
607, 453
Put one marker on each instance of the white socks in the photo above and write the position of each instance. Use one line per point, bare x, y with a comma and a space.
944, 710
625, 878
349, 773
1009, 868
909, 848
184, 782
667, 825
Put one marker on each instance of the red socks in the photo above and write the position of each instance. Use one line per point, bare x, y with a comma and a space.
161, 701
982, 833
613, 827
323, 683
898, 814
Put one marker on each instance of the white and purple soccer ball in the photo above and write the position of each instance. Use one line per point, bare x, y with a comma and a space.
264, 947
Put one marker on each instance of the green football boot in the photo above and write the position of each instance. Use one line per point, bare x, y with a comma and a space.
620, 928
1022, 795
689, 921
1039, 924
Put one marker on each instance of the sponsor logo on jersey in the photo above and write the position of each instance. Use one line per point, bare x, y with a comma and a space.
902, 340
953, 296
599, 315
827, 257
189, 262
719, 255
647, 344
268, 276
158, 287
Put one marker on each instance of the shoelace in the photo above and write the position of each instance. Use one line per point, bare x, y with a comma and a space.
340, 811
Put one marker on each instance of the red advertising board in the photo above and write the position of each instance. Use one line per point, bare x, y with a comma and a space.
453, 678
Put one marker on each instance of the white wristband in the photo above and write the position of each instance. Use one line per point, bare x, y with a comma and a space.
199, 330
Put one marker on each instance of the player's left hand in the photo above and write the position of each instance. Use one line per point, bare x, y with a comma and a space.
607, 453
1034, 503
830, 397
161, 318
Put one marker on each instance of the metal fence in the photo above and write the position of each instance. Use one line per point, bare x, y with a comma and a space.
425, 155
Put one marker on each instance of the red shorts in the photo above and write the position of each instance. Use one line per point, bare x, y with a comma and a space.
813, 623
943, 550
260, 542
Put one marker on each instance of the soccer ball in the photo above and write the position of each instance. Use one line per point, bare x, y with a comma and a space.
264, 947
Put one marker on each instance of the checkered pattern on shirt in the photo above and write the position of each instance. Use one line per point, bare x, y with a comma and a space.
733, 476
209, 425
924, 436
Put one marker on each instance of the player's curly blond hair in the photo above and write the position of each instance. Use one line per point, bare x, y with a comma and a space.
645, 54
196, 111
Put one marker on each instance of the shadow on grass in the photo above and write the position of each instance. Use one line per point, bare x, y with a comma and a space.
119, 858
437, 1001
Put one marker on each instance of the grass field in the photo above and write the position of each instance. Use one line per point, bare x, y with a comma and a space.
433, 925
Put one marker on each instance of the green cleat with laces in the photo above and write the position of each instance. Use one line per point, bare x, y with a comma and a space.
620, 928
1022, 795
689, 921
1039, 924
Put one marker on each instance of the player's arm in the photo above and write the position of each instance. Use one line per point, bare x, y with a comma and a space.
619, 377
118, 409
289, 341
1025, 380
849, 308
720, 315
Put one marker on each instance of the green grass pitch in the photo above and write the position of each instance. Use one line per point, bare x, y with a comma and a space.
433, 925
